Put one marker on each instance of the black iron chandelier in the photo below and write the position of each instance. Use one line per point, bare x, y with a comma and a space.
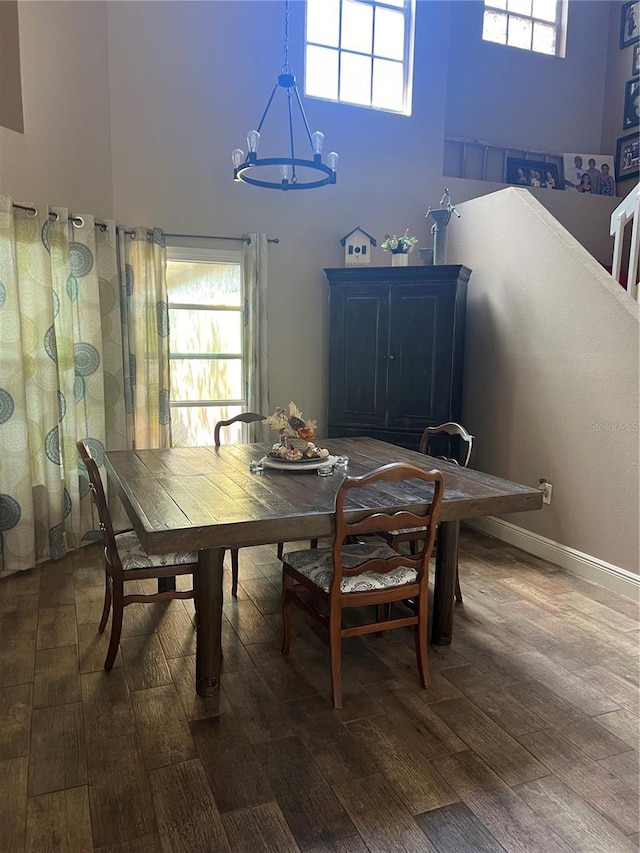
295, 173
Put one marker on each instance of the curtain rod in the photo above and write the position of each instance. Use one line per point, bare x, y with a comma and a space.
244, 239
78, 221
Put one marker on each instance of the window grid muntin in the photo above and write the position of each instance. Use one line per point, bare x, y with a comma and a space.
204, 356
205, 404
214, 257
406, 8
501, 9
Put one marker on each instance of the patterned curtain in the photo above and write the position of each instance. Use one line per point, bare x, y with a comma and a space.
143, 259
67, 358
255, 267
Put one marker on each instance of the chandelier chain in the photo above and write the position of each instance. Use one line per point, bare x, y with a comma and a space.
286, 67
246, 167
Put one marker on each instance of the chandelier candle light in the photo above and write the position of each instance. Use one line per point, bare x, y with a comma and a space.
295, 173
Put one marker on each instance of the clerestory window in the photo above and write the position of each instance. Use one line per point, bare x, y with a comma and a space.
535, 25
360, 52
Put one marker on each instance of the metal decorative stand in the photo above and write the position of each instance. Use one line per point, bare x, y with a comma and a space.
442, 215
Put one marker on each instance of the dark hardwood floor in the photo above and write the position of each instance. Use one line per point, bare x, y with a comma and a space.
527, 739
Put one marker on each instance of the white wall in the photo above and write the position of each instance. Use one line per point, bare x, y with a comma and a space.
187, 83
64, 156
525, 99
132, 110
587, 218
551, 374
188, 80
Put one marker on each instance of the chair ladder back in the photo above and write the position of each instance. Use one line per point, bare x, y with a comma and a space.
100, 502
245, 418
453, 430
425, 516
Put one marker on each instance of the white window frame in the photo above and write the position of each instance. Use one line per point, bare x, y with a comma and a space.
213, 256
560, 25
409, 10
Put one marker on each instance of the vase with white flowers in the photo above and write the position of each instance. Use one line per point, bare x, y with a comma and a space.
399, 247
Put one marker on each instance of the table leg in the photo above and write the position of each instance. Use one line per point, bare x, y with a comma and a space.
209, 621
444, 582
166, 584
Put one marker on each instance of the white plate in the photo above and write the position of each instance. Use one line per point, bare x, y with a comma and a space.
302, 465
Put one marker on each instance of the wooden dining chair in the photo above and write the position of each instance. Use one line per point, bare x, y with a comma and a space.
449, 436
465, 443
366, 573
245, 418
126, 560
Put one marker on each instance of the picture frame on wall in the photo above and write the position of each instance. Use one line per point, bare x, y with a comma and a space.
629, 23
631, 116
532, 173
628, 157
590, 174
635, 60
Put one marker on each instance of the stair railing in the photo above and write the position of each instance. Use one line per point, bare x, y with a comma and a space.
627, 211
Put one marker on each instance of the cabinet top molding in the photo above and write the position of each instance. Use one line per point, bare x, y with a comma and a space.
445, 273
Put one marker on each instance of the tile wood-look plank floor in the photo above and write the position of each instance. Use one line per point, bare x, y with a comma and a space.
527, 739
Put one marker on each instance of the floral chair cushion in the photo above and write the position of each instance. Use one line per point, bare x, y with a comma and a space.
133, 555
317, 565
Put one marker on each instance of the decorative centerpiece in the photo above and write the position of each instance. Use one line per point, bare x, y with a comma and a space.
399, 247
296, 435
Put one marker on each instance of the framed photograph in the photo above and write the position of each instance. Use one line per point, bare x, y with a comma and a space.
628, 157
629, 23
532, 173
589, 173
635, 59
631, 116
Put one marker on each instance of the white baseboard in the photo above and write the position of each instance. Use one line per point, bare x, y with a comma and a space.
575, 562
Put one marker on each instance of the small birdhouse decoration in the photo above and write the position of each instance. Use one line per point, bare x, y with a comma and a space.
357, 248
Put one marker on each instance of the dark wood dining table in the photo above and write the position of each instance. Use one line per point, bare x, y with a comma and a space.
206, 499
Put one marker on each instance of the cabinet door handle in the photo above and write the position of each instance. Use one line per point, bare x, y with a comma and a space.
391, 357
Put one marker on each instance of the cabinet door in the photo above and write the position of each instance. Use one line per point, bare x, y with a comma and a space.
358, 356
420, 356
